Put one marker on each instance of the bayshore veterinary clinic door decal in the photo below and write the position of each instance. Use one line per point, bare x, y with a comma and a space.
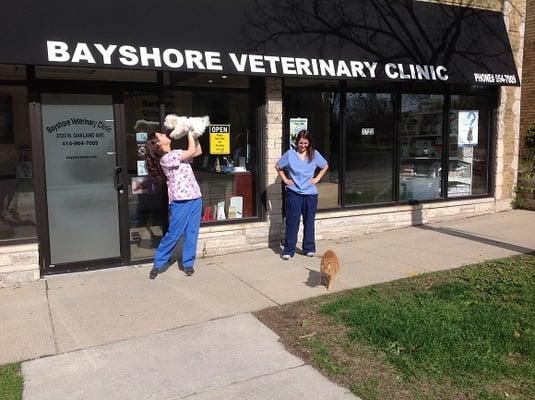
80, 160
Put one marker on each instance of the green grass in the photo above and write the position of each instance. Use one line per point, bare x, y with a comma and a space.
473, 325
10, 382
467, 333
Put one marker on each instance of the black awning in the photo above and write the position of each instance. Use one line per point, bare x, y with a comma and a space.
347, 39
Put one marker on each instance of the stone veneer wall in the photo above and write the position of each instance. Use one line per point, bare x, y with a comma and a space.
527, 116
18, 264
508, 133
527, 109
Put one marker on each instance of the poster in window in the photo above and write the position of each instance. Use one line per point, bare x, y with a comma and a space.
6, 119
142, 168
144, 185
468, 128
296, 126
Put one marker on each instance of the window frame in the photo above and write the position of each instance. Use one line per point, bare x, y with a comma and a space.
397, 89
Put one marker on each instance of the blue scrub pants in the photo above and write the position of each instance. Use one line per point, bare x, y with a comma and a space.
184, 219
297, 205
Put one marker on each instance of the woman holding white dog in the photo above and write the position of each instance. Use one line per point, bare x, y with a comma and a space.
185, 201
297, 169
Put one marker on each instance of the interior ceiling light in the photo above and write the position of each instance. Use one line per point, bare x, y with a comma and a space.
224, 77
210, 81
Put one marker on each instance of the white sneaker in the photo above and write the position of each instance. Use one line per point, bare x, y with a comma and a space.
286, 256
310, 254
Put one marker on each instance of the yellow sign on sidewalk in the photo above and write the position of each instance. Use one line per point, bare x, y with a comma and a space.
219, 139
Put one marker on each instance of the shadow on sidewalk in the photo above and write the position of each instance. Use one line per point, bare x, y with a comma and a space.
476, 238
313, 278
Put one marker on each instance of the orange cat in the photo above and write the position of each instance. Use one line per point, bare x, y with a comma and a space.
329, 268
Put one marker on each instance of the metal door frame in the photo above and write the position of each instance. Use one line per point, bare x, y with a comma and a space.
43, 233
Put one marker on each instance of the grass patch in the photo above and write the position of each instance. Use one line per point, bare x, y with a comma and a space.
10, 382
467, 333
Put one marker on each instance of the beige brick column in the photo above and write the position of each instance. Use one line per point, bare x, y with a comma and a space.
508, 135
273, 151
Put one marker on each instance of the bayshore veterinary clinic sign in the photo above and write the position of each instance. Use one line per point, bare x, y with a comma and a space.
91, 54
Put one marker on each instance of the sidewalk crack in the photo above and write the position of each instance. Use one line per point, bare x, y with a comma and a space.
54, 336
239, 381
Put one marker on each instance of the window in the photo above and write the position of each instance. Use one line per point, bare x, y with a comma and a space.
420, 136
369, 148
147, 201
225, 174
393, 141
319, 112
17, 207
467, 164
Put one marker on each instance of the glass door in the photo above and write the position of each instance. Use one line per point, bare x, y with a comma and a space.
82, 180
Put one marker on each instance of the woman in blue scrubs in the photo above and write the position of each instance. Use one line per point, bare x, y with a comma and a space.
297, 169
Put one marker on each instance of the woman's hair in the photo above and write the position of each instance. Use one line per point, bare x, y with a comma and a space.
304, 134
153, 155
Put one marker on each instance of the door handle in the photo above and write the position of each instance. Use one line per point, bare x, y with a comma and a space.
116, 172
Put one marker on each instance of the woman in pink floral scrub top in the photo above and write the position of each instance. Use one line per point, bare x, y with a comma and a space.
185, 202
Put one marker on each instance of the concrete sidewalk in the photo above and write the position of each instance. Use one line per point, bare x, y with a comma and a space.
109, 312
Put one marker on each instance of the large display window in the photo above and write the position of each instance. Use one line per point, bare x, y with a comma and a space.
369, 148
421, 143
147, 201
319, 113
396, 144
468, 149
227, 169
17, 206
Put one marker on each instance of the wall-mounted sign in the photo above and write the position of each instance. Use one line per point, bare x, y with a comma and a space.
468, 128
297, 125
367, 131
219, 139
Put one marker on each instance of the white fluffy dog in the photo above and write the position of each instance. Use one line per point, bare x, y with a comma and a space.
182, 125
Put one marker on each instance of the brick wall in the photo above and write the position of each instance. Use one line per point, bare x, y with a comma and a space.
508, 136
527, 116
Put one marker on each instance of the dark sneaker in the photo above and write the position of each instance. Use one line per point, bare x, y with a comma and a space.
189, 271
154, 273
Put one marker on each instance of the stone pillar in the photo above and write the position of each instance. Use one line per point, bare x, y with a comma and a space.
508, 135
273, 151
528, 74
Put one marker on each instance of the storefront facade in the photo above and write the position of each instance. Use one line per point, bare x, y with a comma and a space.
417, 111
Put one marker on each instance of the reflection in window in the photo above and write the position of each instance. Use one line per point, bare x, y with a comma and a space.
17, 207
320, 113
369, 148
147, 201
467, 172
420, 135
226, 169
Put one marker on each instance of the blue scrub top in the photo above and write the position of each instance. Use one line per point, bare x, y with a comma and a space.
301, 171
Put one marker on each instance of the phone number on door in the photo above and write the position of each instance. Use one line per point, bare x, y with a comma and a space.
80, 143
